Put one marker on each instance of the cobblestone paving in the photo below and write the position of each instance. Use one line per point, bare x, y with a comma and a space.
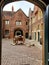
20, 54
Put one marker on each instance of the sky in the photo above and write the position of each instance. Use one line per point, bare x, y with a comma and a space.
24, 5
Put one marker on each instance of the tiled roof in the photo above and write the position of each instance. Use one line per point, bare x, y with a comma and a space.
8, 13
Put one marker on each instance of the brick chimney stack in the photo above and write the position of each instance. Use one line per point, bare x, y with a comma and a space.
12, 9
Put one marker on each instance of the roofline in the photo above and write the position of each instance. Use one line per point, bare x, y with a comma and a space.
22, 11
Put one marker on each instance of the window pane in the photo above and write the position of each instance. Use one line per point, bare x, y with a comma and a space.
6, 22
6, 32
18, 23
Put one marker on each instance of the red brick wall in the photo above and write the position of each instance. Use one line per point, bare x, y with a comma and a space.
19, 15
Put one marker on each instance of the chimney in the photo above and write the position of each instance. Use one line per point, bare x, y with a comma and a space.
12, 9
29, 12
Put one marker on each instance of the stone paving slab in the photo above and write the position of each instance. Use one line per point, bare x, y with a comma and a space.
20, 54
33, 43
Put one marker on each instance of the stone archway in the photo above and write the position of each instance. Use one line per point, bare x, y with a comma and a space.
41, 3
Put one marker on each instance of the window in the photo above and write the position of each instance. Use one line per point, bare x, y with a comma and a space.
34, 35
38, 27
33, 21
18, 22
38, 36
6, 32
7, 22
42, 26
40, 15
26, 23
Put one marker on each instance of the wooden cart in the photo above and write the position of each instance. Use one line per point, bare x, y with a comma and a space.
19, 39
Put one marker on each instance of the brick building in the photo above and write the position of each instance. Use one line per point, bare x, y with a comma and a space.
14, 23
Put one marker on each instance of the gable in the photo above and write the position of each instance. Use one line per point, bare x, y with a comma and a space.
20, 13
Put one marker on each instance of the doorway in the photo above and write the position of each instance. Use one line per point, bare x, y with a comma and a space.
26, 35
18, 32
38, 36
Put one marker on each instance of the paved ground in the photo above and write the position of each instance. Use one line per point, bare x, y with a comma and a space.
20, 54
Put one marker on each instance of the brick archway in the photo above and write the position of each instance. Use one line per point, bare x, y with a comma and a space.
18, 32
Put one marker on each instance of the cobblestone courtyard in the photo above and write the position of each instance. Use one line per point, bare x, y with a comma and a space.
20, 54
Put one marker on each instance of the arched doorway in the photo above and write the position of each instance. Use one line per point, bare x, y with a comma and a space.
18, 32
40, 3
